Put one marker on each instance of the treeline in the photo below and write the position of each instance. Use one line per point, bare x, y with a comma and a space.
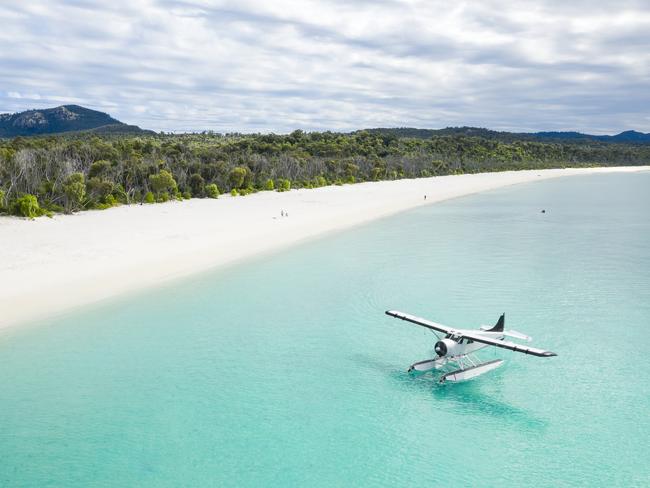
41, 175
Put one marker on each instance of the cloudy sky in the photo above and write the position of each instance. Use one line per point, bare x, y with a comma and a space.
278, 65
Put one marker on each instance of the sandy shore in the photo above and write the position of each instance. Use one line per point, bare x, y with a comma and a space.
49, 266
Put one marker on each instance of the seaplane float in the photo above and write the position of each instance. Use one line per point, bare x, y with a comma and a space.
455, 352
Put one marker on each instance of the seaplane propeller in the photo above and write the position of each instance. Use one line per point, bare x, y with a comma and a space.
459, 345
440, 348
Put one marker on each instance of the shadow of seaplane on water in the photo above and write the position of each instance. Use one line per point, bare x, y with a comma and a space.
467, 398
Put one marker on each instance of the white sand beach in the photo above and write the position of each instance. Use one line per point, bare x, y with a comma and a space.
50, 266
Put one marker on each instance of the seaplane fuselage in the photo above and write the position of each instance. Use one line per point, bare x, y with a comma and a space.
455, 344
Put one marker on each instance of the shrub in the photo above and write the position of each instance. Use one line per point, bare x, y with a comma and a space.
234, 192
74, 190
187, 195
27, 206
107, 202
2, 200
320, 181
98, 189
49, 208
120, 194
269, 185
149, 198
163, 182
211, 191
284, 184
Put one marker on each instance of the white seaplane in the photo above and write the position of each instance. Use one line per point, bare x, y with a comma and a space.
458, 346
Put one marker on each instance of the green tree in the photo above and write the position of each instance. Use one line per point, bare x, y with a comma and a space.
74, 190
239, 177
377, 172
197, 185
99, 168
351, 171
163, 184
269, 185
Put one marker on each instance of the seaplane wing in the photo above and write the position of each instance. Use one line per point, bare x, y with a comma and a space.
513, 346
471, 334
423, 322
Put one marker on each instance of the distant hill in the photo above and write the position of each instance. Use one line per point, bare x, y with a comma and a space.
628, 137
66, 118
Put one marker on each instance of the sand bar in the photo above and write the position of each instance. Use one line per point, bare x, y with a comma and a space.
49, 266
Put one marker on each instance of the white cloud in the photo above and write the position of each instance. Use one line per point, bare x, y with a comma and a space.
332, 64
23, 96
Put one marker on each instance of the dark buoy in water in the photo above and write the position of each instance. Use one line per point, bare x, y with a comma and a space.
543, 211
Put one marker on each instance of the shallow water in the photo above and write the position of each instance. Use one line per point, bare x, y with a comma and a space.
284, 371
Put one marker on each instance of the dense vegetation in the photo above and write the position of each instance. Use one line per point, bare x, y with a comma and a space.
69, 173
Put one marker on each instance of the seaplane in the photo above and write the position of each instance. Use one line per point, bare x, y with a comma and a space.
455, 352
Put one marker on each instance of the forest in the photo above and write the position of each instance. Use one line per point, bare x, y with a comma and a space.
68, 173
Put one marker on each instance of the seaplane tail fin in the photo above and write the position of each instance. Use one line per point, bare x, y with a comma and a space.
498, 327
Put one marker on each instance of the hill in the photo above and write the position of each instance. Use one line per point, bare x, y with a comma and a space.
627, 137
66, 118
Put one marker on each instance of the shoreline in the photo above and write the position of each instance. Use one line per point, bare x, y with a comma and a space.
52, 266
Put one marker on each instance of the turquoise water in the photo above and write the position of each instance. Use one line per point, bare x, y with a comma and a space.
284, 371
